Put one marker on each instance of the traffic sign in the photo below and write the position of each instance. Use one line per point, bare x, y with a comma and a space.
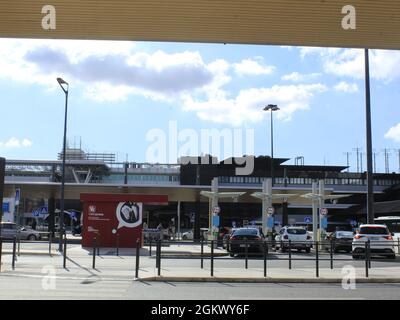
216, 210
307, 219
323, 211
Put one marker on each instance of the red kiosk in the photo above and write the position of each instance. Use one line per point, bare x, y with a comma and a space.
111, 216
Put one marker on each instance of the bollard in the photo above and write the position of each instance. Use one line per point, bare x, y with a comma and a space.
246, 254
65, 252
332, 249
317, 259
157, 253
19, 244
117, 244
50, 241
150, 241
265, 258
201, 253
212, 258
159, 257
94, 253
398, 245
369, 253
366, 260
14, 252
98, 244
290, 254
137, 258
1, 251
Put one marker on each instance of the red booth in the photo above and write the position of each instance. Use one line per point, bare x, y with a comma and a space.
113, 218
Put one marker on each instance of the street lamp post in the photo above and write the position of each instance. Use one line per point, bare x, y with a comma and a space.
370, 191
64, 86
272, 107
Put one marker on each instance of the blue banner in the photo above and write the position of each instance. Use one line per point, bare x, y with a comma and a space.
215, 221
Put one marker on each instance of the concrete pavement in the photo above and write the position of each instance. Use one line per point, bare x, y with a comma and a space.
226, 269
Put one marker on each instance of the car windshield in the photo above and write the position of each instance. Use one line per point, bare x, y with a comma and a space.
344, 234
253, 232
296, 231
374, 230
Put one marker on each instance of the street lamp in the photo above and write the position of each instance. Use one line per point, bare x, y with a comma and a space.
64, 86
272, 107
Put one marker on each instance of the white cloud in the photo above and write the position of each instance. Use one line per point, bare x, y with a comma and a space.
16, 143
384, 64
298, 77
247, 105
111, 65
393, 133
346, 87
252, 67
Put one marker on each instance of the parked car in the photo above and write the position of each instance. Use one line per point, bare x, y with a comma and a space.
381, 241
243, 237
226, 238
9, 230
341, 241
298, 237
187, 235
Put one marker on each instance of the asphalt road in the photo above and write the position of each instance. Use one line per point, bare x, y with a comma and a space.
12, 287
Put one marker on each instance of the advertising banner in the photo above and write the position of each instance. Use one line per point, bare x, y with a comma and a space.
114, 218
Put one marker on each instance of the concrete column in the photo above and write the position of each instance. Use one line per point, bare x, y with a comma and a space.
179, 219
266, 202
315, 212
321, 192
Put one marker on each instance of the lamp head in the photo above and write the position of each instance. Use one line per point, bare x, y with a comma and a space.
272, 107
63, 83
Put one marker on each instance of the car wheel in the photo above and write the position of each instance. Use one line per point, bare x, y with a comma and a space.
231, 254
356, 257
283, 249
393, 256
31, 237
184, 238
308, 250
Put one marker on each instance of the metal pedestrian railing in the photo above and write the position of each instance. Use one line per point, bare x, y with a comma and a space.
316, 253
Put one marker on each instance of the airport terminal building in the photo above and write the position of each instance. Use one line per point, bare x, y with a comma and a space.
38, 185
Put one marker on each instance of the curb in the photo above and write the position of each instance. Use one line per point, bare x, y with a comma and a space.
265, 280
53, 253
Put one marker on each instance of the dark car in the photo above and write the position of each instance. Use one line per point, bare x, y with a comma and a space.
340, 241
243, 238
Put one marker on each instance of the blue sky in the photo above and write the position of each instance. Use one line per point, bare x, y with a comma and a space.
120, 91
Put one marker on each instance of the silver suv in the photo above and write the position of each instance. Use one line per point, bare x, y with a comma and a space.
9, 230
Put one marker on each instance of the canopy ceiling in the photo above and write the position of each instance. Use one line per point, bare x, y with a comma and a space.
281, 22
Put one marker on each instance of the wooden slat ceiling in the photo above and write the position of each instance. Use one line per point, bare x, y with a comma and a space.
283, 22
